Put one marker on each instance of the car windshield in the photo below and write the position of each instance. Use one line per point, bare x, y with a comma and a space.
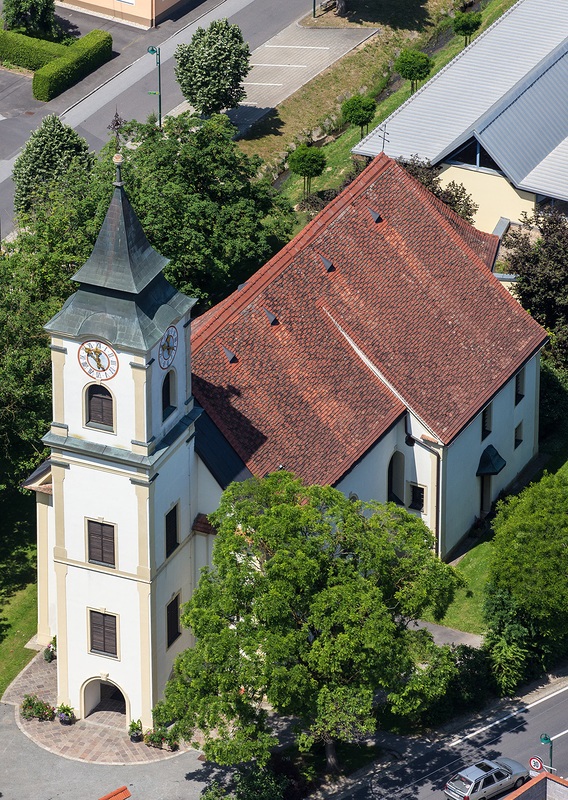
460, 784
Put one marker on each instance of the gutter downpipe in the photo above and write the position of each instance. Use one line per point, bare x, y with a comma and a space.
437, 503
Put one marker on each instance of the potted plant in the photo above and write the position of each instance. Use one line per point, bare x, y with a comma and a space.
135, 730
154, 737
65, 714
50, 651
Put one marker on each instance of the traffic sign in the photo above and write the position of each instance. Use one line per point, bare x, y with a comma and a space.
536, 764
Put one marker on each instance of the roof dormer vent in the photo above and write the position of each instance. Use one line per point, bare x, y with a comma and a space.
231, 357
376, 216
327, 264
272, 318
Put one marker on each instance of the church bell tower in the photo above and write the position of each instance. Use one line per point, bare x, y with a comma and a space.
114, 535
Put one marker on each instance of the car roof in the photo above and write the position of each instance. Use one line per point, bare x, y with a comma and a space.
478, 770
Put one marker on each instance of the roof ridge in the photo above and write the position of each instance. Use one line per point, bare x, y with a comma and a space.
280, 260
444, 69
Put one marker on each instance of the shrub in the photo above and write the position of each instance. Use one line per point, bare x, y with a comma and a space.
29, 53
155, 737
81, 58
32, 707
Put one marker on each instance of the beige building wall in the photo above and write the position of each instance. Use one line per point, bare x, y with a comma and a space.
493, 193
146, 13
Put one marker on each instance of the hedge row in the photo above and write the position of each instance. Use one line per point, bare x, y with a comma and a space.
80, 59
29, 53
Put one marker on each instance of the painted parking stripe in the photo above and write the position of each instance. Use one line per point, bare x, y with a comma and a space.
252, 83
293, 66
509, 716
298, 46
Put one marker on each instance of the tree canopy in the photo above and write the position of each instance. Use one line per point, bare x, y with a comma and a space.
466, 23
414, 66
210, 69
47, 155
307, 607
309, 162
34, 16
527, 594
359, 110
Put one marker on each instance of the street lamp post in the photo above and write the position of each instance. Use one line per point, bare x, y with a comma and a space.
155, 51
545, 739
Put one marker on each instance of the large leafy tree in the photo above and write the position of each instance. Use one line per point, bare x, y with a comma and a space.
414, 66
359, 110
34, 16
537, 253
210, 69
46, 156
465, 24
309, 162
527, 594
306, 607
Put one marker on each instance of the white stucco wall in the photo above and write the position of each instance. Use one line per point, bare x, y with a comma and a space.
462, 488
170, 487
208, 491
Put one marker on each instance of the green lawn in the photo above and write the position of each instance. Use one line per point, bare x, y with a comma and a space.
18, 623
18, 595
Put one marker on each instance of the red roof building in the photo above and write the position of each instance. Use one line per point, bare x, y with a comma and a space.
382, 312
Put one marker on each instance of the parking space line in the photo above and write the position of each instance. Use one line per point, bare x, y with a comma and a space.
298, 46
292, 66
252, 83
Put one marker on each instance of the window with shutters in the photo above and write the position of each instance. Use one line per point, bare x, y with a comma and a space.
172, 538
168, 394
100, 542
100, 407
172, 620
103, 638
486, 421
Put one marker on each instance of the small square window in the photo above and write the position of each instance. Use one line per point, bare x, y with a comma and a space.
172, 620
416, 497
172, 538
518, 435
519, 386
486, 416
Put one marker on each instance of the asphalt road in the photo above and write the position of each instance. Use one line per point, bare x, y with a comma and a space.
513, 732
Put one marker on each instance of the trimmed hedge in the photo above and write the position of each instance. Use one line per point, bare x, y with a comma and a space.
80, 59
29, 53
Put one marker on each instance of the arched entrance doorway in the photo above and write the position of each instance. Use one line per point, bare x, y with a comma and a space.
104, 702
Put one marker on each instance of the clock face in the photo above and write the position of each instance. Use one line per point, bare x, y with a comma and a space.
168, 347
98, 360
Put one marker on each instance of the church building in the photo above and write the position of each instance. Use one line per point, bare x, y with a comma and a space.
376, 352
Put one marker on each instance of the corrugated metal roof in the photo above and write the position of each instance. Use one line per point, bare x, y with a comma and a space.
531, 126
446, 110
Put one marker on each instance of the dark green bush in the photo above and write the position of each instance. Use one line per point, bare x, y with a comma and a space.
81, 58
29, 53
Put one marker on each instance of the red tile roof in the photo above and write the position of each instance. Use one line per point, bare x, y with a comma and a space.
118, 794
409, 317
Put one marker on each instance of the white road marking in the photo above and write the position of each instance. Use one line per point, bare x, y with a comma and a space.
508, 716
252, 83
558, 735
293, 66
298, 46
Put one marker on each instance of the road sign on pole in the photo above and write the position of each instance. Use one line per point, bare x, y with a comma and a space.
536, 764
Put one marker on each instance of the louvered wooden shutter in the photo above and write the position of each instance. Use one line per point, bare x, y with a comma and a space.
101, 542
173, 620
100, 406
103, 633
171, 531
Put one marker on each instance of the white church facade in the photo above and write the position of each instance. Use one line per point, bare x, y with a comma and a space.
376, 353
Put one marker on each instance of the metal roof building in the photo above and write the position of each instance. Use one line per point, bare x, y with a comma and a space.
507, 90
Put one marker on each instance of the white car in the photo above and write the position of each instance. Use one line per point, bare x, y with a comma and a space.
486, 779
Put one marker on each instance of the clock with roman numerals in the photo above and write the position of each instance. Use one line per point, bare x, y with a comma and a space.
98, 360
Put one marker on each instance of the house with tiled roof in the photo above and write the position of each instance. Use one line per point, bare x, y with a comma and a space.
377, 353
494, 117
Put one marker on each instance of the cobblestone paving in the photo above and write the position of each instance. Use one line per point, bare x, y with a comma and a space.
99, 739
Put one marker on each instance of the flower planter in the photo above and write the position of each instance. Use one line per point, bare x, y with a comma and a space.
136, 737
66, 720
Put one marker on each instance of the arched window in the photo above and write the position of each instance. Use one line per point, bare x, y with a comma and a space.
168, 394
396, 479
99, 407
